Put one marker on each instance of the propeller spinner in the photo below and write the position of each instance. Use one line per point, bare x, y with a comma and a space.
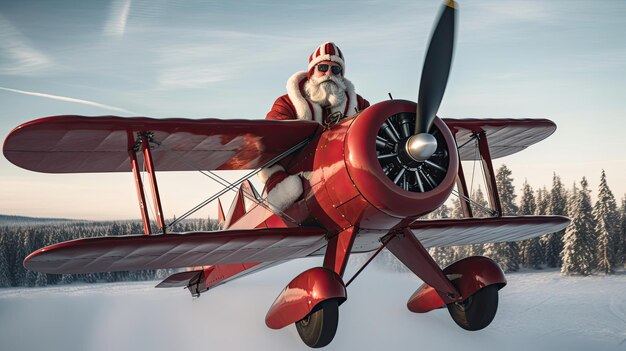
437, 63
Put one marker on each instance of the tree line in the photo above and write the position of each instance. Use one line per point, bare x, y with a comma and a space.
19, 239
594, 242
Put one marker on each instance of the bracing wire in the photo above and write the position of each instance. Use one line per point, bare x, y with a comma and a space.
472, 202
240, 180
262, 201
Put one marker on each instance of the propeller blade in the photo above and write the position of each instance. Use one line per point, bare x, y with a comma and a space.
436, 68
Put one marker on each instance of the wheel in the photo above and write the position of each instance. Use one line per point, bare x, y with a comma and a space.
478, 310
318, 328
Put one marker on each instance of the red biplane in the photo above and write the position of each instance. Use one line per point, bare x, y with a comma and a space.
366, 178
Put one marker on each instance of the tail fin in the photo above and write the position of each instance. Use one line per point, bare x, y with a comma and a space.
238, 207
220, 213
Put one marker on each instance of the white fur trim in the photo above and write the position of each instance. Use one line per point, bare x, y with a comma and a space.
353, 102
266, 173
285, 193
299, 102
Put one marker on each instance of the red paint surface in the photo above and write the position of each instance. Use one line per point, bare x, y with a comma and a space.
424, 299
237, 209
338, 250
344, 187
78, 144
469, 275
475, 273
415, 257
302, 294
368, 177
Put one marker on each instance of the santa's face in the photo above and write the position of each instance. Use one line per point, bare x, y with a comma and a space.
325, 87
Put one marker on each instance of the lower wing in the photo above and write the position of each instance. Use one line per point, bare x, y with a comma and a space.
451, 232
137, 252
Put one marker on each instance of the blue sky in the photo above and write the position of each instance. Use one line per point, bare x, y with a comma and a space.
563, 60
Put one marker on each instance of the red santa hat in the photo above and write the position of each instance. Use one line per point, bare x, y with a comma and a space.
326, 52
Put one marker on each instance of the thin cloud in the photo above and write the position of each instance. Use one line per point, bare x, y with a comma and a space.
23, 58
69, 99
118, 17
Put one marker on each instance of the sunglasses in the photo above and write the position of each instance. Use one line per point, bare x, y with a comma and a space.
322, 67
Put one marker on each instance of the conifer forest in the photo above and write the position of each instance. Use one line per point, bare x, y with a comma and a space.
594, 242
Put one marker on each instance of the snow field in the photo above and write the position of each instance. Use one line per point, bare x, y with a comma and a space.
538, 311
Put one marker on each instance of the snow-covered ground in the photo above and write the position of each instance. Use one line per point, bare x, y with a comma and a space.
538, 311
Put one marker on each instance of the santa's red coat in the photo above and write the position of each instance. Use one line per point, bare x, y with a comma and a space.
281, 188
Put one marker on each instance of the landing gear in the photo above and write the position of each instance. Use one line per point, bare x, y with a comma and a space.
318, 328
478, 310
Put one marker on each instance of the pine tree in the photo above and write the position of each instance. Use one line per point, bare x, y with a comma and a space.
441, 212
543, 201
444, 256
479, 203
543, 206
41, 280
528, 205
478, 198
506, 254
5, 277
30, 279
607, 228
506, 190
67, 279
578, 241
553, 243
621, 247
530, 250
457, 210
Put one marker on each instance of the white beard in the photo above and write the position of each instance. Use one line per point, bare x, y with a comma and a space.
326, 91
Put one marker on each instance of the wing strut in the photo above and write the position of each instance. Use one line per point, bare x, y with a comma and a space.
141, 196
143, 142
147, 156
492, 189
490, 179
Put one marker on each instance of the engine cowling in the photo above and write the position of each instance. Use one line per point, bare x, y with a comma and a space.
385, 174
364, 177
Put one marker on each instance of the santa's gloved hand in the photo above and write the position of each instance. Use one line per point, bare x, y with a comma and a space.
282, 189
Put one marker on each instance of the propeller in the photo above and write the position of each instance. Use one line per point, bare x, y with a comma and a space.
421, 145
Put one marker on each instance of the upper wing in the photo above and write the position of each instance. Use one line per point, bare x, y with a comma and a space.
506, 136
78, 144
136, 252
450, 232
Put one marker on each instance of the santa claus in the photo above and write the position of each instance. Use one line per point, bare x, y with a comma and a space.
322, 94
